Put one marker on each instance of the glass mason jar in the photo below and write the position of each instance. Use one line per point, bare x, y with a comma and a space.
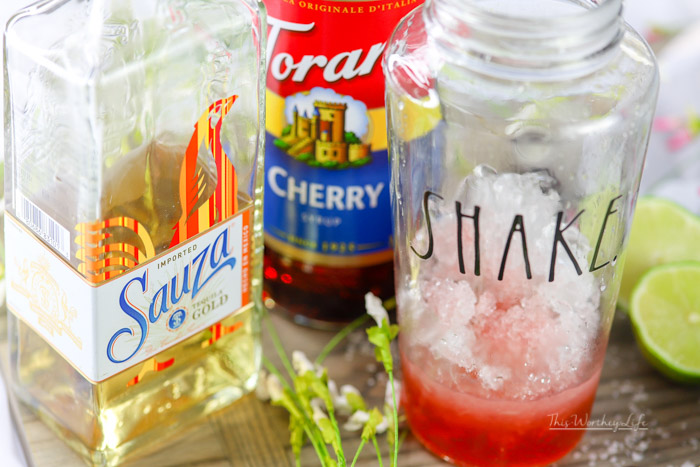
518, 131
134, 214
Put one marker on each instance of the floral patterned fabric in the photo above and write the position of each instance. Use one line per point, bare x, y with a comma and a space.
672, 28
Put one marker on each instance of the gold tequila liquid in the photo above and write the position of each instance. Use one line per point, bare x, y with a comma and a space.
134, 194
107, 421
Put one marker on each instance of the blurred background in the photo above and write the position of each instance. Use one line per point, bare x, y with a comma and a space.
672, 28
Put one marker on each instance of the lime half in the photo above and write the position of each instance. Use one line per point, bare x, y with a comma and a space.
662, 232
665, 314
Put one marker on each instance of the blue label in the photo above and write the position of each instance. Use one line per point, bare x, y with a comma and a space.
327, 198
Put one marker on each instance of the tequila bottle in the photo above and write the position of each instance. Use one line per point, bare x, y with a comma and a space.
134, 197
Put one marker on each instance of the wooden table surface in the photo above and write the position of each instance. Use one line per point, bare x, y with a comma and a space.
253, 433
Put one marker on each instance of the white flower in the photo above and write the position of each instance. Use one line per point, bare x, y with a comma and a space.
340, 400
340, 403
274, 388
318, 406
261, 391
346, 389
374, 307
357, 421
383, 426
333, 389
302, 364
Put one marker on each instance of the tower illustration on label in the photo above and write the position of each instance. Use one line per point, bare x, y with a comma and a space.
323, 137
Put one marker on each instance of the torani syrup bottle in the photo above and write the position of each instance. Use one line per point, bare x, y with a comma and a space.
328, 234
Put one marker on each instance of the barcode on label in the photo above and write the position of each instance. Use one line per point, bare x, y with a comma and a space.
43, 225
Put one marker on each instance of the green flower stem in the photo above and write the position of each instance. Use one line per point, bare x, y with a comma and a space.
379, 452
403, 438
279, 347
339, 337
339, 452
396, 421
296, 396
309, 426
389, 304
319, 446
359, 450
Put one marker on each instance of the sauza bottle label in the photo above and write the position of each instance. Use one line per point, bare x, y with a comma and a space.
135, 294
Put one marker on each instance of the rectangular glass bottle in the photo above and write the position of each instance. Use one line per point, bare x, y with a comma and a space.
134, 196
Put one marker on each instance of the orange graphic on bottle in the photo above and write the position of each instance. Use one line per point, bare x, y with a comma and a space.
224, 202
218, 331
102, 260
148, 366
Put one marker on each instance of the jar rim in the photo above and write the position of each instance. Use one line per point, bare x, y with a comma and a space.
590, 10
538, 47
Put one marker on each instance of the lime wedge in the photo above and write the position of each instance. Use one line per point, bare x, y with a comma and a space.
662, 232
665, 314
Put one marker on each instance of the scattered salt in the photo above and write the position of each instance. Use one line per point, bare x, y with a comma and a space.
643, 445
627, 387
